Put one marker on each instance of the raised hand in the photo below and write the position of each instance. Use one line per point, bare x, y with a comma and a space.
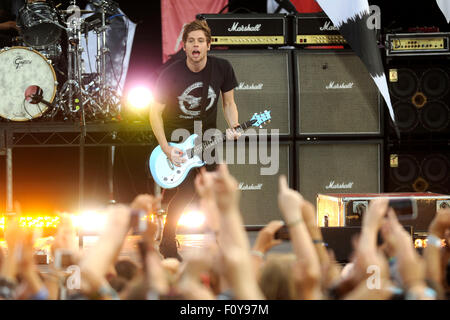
204, 183
377, 210
266, 237
226, 189
440, 223
289, 201
407, 256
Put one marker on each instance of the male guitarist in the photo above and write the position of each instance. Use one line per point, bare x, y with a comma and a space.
180, 98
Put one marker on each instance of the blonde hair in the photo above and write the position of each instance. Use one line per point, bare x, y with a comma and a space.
197, 25
276, 280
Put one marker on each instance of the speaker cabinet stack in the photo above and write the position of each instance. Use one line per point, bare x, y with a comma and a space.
335, 96
326, 109
420, 160
264, 83
338, 124
421, 97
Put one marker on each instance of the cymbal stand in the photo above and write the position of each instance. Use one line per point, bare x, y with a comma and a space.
74, 86
106, 94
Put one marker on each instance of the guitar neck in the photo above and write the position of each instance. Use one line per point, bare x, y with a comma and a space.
213, 142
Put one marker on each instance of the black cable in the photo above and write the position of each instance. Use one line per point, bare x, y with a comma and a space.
25, 108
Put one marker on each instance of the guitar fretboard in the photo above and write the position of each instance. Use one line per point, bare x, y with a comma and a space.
198, 149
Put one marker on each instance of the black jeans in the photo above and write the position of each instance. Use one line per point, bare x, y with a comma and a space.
184, 195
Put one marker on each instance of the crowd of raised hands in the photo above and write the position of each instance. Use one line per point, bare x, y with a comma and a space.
229, 267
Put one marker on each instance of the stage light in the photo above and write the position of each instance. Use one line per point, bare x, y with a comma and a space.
140, 98
193, 219
420, 243
34, 222
89, 221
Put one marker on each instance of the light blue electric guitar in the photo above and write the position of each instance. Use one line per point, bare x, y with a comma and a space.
168, 176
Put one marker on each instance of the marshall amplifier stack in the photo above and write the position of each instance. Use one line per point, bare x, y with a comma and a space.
247, 30
306, 30
328, 110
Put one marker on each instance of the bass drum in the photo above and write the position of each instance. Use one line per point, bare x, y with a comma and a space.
21, 67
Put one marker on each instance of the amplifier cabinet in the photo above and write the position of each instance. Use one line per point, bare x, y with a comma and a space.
335, 95
339, 166
347, 209
316, 29
264, 82
420, 94
257, 167
247, 30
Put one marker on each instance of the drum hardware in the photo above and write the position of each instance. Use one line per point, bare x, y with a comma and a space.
82, 95
67, 12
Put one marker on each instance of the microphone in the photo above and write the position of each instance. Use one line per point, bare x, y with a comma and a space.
35, 94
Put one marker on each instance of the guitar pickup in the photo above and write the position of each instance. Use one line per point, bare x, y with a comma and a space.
170, 164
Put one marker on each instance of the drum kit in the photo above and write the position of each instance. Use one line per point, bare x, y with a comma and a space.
41, 78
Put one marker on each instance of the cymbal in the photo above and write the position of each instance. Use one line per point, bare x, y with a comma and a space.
72, 11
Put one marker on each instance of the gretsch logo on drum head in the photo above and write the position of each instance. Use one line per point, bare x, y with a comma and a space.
19, 62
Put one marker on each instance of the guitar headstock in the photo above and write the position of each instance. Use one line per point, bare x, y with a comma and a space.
260, 119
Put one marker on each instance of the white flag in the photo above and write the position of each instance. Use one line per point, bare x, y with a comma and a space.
351, 17
444, 5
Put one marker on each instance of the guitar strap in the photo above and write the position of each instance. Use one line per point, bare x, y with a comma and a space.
206, 81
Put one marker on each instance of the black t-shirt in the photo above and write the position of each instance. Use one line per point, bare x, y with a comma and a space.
180, 90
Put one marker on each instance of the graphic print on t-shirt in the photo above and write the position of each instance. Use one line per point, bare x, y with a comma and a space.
190, 104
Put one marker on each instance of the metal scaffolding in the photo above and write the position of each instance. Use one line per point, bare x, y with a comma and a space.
61, 134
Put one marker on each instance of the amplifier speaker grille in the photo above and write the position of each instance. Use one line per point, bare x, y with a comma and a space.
338, 167
419, 168
420, 97
264, 80
259, 193
335, 95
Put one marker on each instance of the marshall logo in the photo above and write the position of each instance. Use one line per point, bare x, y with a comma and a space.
334, 185
245, 86
328, 27
19, 62
342, 85
243, 186
241, 28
